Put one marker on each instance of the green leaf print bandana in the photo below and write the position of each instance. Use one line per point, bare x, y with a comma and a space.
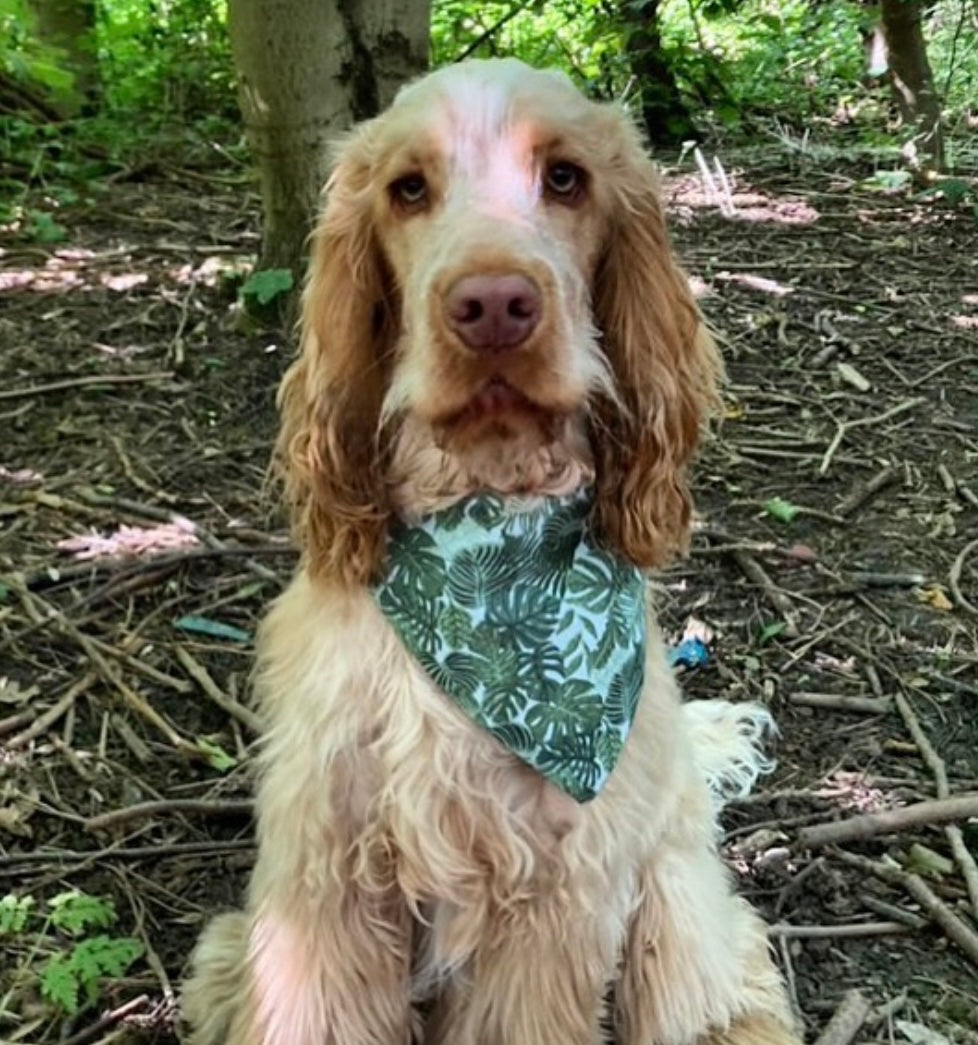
532, 629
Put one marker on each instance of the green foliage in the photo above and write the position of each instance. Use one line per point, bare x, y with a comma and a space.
770, 631
954, 192
216, 756
169, 57
23, 56
14, 912
44, 229
781, 509
82, 969
75, 963
265, 285
73, 912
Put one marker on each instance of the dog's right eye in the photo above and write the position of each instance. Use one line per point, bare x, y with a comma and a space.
410, 191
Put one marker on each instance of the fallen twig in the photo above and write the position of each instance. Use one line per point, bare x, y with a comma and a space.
935, 908
46, 719
891, 911
107, 671
844, 427
754, 572
182, 806
865, 490
934, 762
847, 1020
839, 702
827, 932
61, 857
80, 382
109, 1019
954, 579
199, 673
888, 821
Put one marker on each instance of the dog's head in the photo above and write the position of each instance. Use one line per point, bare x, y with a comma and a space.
492, 271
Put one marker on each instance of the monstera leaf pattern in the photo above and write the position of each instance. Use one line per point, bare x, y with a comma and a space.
536, 632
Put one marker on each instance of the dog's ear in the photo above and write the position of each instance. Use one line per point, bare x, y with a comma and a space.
665, 366
331, 396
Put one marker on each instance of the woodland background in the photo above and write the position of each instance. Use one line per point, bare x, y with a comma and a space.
820, 164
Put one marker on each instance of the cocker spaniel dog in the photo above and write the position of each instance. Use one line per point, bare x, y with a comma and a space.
484, 816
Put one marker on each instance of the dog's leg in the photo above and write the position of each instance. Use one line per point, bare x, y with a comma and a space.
311, 969
755, 1028
697, 958
322, 956
211, 994
538, 977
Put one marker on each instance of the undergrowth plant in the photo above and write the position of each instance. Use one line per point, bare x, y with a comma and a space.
67, 947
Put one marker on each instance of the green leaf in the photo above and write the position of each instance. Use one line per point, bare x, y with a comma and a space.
477, 572
954, 190
526, 615
576, 709
216, 756
458, 675
414, 617
623, 694
888, 180
455, 625
782, 510
267, 284
592, 585
770, 631
213, 628
75, 911
573, 761
45, 229
14, 912
416, 564
514, 736
59, 984
101, 956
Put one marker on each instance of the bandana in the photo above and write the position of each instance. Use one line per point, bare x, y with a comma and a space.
534, 631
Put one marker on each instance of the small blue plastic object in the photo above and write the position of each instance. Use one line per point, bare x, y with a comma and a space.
690, 653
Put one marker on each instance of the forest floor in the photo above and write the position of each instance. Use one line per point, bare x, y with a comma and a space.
835, 573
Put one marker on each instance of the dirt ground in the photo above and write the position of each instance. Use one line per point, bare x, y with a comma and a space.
834, 574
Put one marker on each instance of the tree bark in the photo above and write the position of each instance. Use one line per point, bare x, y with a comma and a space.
307, 70
69, 26
664, 114
910, 73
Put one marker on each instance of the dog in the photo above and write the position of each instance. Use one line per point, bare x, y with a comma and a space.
484, 816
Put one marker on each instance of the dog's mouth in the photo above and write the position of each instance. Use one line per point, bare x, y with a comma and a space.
497, 399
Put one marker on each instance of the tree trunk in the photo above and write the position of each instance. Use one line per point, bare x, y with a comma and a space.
307, 70
69, 26
664, 114
910, 73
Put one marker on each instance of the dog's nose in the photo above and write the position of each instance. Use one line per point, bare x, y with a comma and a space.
493, 313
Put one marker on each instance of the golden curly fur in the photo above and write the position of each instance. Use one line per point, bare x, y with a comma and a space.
404, 856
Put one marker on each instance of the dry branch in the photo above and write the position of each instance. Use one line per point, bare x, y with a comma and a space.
80, 382
935, 908
848, 1018
890, 821
182, 806
840, 702
199, 673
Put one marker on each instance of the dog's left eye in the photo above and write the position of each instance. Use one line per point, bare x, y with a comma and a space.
564, 180
411, 190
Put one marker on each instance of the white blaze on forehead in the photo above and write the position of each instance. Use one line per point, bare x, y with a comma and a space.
492, 164
486, 142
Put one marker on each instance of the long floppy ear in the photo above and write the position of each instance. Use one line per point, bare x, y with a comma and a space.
665, 365
330, 397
